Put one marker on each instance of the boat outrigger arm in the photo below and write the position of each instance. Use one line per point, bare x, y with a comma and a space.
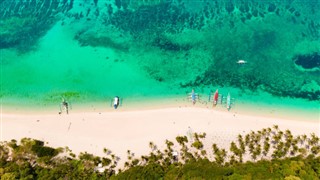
193, 96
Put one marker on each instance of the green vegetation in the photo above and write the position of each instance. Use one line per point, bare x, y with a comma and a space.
272, 154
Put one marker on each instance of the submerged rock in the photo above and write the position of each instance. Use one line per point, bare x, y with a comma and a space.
309, 62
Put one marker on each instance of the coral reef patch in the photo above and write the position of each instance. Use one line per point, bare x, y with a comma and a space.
308, 62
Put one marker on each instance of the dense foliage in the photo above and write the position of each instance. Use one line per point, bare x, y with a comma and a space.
286, 157
289, 168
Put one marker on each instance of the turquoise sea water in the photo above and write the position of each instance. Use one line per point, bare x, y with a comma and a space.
88, 51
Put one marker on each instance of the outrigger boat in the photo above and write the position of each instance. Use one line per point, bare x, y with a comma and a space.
193, 97
219, 98
215, 97
229, 102
64, 106
116, 102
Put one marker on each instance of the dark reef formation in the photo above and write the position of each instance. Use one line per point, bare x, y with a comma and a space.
154, 19
310, 61
24, 22
139, 17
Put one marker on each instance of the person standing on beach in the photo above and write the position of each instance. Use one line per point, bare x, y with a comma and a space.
64, 106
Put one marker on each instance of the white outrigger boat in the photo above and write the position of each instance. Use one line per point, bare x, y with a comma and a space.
229, 102
64, 106
116, 102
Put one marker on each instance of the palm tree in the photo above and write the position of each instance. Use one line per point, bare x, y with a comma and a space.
315, 150
269, 130
106, 161
4, 152
314, 140
251, 147
202, 136
294, 146
169, 145
275, 127
145, 159
223, 155
242, 144
303, 151
294, 141
219, 155
197, 144
236, 151
288, 141
276, 140
247, 139
152, 146
196, 136
264, 132
233, 160
280, 133
159, 155
113, 157
182, 140
126, 164
252, 134
257, 138
266, 147
135, 162
203, 153
299, 139
258, 150
254, 155
294, 150
129, 155
287, 133
233, 148
279, 151
285, 151
303, 139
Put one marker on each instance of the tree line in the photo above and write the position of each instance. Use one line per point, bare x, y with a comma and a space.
268, 153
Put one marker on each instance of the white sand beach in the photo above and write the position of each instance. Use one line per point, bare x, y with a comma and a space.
132, 130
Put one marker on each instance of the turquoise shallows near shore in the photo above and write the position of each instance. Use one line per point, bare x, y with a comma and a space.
92, 51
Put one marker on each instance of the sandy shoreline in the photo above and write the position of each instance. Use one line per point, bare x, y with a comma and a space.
124, 130
137, 104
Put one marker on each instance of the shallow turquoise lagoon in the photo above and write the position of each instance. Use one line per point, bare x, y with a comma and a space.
87, 51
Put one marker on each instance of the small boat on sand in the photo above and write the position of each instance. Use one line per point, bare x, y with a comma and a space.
193, 97
216, 97
228, 102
